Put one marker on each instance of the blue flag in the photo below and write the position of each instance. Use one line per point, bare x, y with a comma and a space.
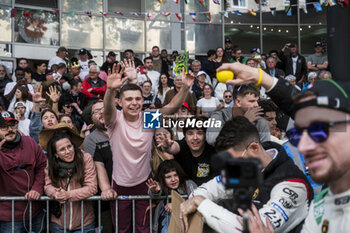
317, 6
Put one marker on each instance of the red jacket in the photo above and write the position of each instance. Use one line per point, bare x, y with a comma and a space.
26, 158
99, 89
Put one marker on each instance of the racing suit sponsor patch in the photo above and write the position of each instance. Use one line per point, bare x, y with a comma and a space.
319, 211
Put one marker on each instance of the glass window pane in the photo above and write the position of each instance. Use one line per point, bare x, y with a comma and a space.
5, 50
46, 3
36, 27
210, 6
156, 6
82, 5
124, 6
314, 17
245, 37
7, 2
202, 37
5, 26
124, 34
244, 18
309, 35
158, 33
280, 17
275, 37
82, 31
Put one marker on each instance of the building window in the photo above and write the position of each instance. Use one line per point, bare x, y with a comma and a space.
46, 3
239, 3
36, 27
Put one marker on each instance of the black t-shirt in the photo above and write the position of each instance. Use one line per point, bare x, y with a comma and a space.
198, 168
103, 153
147, 101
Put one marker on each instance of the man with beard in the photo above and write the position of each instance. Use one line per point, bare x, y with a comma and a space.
129, 54
22, 166
159, 64
100, 133
97, 145
4, 79
322, 134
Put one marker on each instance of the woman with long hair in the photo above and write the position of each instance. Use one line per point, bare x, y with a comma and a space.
220, 56
70, 177
158, 155
208, 104
22, 95
163, 86
170, 176
42, 116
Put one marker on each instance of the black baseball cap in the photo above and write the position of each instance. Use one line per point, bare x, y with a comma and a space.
318, 44
228, 40
111, 54
329, 94
82, 51
62, 49
6, 117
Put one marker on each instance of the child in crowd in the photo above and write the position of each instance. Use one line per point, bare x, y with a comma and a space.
170, 176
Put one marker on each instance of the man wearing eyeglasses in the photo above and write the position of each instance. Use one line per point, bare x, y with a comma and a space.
94, 87
322, 135
22, 165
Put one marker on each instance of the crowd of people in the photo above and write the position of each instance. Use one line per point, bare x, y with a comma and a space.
71, 129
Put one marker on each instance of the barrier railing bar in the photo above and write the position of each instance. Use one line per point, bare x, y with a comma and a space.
13, 216
65, 218
30, 217
133, 216
150, 215
82, 216
116, 216
93, 198
132, 198
47, 216
99, 216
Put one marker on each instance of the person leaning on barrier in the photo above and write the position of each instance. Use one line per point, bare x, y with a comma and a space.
283, 196
324, 112
130, 144
70, 177
22, 165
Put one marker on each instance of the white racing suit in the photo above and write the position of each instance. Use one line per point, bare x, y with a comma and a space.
284, 196
329, 213
287, 207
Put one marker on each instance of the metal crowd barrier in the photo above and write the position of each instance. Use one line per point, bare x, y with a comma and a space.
132, 198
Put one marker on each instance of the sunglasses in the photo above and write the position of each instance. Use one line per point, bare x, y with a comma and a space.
228, 96
318, 132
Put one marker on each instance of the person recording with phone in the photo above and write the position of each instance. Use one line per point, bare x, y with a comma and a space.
294, 63
283, 197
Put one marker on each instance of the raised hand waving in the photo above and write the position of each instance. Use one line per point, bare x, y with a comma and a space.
115, 80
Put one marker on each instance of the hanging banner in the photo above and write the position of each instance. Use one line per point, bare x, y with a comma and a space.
179, 16
252, 12
194, 16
